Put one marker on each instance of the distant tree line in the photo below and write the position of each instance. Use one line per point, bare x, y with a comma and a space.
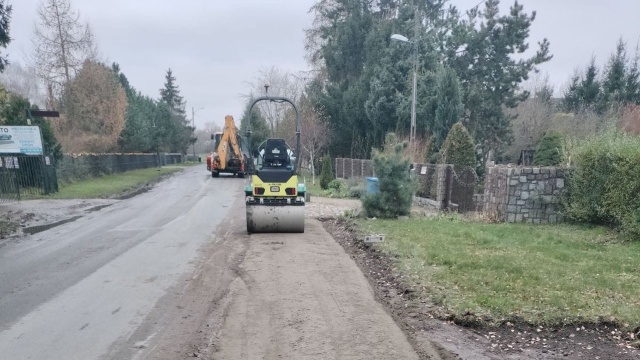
100, 110
600, 90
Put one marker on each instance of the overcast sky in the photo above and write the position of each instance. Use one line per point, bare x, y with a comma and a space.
215, 46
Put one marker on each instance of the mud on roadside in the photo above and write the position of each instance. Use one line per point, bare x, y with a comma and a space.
425, 323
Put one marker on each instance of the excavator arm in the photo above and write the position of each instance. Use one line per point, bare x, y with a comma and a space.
229, 136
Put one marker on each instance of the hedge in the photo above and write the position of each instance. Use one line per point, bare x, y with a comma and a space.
604, 185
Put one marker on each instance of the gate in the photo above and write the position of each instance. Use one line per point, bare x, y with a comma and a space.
463, 190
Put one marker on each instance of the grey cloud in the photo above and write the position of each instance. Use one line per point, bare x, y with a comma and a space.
215, 46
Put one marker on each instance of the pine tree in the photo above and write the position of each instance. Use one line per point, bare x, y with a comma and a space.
177, 128
589, 93
459, 148
395, 186
260, 130
449, 106
571, 99
632, 81
137, 133
170, 94
5, 39
326, 176
491, 69
549, 152
613, 84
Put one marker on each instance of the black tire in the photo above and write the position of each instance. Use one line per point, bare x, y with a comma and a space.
241, 175
215, 174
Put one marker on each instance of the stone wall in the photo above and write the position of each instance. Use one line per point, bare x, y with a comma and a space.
524, 194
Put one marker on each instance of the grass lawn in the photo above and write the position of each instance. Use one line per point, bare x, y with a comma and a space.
109, 185
544, 274
316, 190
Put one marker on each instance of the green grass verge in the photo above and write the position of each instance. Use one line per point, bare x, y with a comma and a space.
188, 164
543, 274
109, 185
315, 189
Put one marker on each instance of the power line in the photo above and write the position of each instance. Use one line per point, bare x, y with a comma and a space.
475, 7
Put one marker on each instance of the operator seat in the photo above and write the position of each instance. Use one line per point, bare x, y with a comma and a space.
276, 165
275, 153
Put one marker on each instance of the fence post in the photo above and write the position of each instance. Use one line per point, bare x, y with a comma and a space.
45, 174
351, 168
344, 169
449, 186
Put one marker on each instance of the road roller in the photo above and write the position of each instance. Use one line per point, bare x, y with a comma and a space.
275, 198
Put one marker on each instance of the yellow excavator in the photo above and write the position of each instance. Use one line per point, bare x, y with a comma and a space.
227, 156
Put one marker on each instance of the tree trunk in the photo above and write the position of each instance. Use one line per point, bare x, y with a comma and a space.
313, 169
63, 43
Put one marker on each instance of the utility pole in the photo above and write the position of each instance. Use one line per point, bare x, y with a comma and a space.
193, 126
274, 127
412, 134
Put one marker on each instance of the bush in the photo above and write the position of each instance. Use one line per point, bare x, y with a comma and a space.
335, 184
396, 188
357, 191
604, 186
327, 173
549, 151
459, 148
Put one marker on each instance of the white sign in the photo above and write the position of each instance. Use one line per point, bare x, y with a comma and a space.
11, 162
20, 139
423, 170
374, 239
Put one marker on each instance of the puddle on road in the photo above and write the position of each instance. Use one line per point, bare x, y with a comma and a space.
40, 228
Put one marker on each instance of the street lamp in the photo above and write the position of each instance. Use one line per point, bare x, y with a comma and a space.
412, 133
193, 125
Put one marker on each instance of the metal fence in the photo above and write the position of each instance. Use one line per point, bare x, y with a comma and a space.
346, 168
79, 167
22, 176
25, 176
438, 185
444, 187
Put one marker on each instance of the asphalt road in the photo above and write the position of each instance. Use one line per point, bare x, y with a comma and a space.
73, 291
173, 274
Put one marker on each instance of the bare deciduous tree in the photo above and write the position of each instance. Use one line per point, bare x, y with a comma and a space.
62, 44
204, 144
314, 135
94, 108
533, 116
280, 83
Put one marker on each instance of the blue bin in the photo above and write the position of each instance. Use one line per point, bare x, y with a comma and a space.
372, 185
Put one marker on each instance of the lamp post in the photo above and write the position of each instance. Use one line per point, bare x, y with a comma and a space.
193, 125
412, 131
